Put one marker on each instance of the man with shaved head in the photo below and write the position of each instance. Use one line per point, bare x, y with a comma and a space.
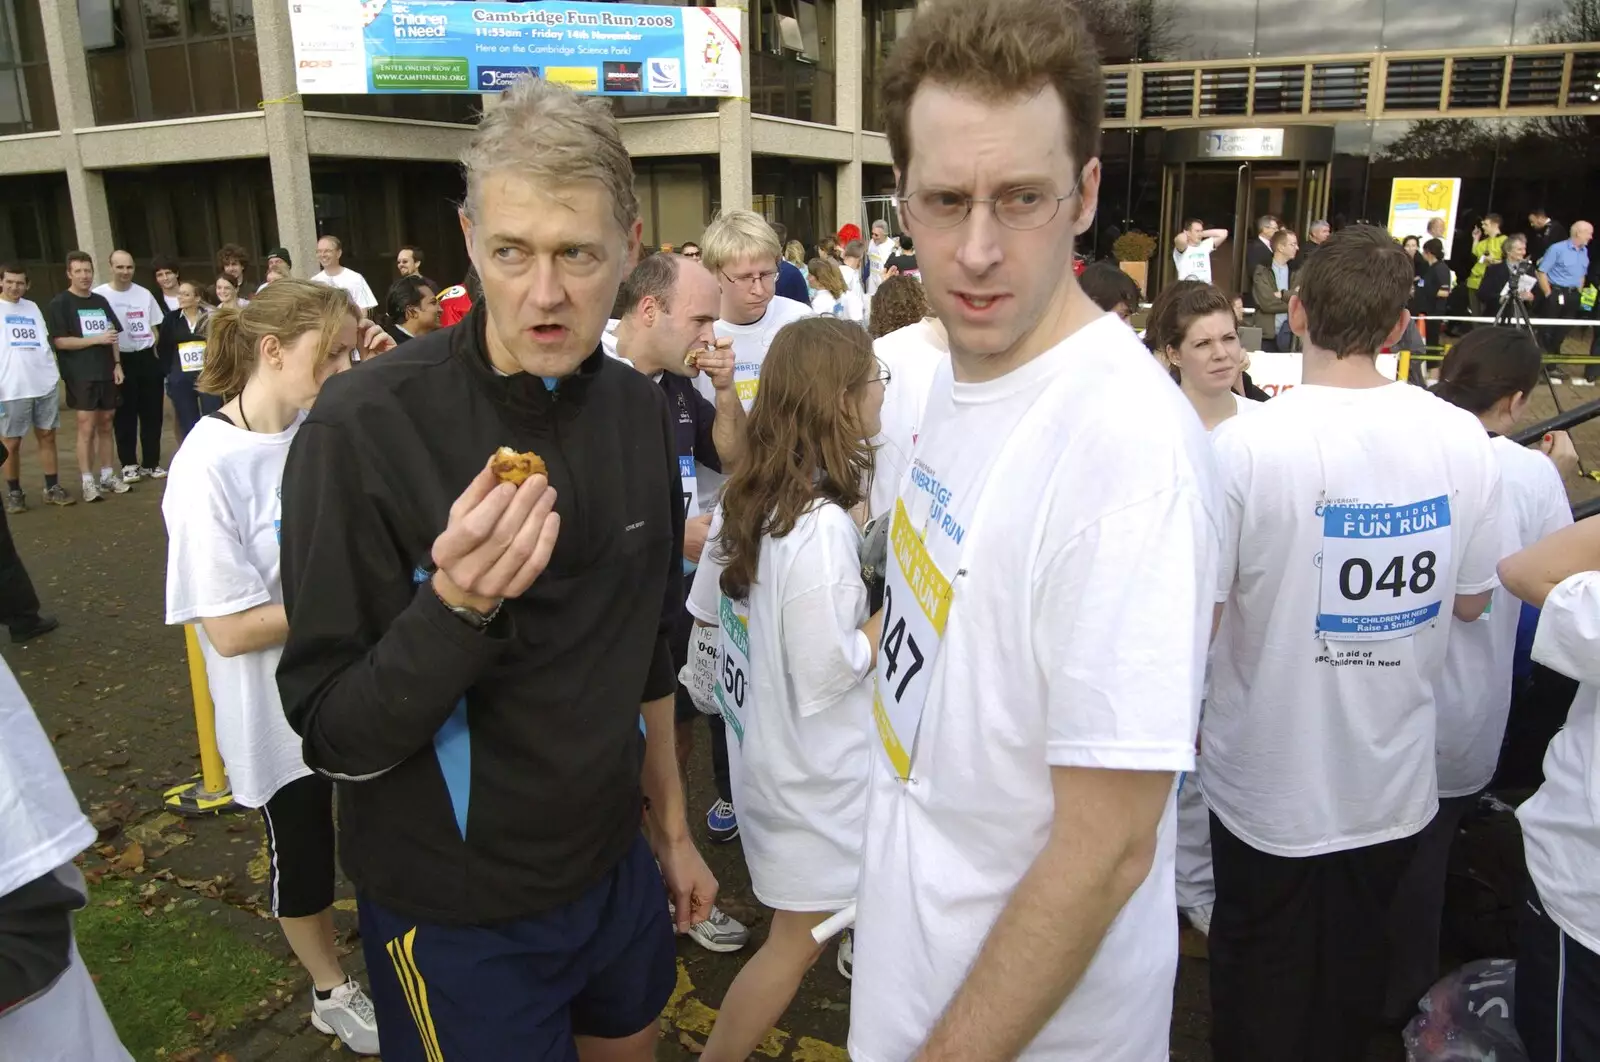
137, 422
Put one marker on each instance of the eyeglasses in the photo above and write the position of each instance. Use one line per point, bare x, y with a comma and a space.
1019, 208
746, 280
883, 376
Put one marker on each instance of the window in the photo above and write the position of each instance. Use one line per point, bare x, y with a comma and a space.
189, 211
27, 104
887, 21
36, 229
153, 59
791, 59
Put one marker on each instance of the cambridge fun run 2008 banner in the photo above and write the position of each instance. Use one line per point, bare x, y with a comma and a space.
388, 46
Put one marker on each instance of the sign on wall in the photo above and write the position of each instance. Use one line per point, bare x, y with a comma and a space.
1242, 143
409, 46
1415, 201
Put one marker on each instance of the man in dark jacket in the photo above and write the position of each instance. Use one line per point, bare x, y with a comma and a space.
484, 665
791, 278
1257, 254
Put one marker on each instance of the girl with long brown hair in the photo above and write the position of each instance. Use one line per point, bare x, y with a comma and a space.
267, 360
797, 648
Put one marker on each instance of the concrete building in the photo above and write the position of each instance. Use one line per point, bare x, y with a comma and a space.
173, 126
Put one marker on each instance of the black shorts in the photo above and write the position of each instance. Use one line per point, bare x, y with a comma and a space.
601, 965
90, 394
299, 822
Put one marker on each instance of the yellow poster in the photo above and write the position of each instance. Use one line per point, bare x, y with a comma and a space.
576, 78
1415, 201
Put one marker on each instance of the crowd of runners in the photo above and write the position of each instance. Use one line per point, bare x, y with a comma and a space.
959, 599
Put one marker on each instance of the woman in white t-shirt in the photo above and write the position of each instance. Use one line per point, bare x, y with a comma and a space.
1489, 373
1193, 330
222, 508
830, 295
796, 654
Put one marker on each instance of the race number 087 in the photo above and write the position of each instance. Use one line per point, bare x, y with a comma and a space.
1356, 582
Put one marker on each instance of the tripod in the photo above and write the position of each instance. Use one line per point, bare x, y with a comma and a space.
1514, 313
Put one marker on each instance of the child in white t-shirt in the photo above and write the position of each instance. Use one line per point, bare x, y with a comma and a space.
796, 651
223, 512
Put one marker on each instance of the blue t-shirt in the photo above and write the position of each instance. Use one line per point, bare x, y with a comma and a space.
792, 282
1565, 265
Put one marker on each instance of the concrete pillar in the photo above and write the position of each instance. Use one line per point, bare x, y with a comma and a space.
286, 139
849, 39
733, 124
69, 80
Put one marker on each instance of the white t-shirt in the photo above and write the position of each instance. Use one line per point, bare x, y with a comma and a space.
912, 355
41, 824
846, 307
139, 313
750, 343
27, 365
172, 300
223, 506
1474, 688
799, 772
1320, 744
350, 281
1075, 637
1195, 263
1561, 822
877, 257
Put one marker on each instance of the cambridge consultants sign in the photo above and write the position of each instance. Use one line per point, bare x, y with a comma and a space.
388, 46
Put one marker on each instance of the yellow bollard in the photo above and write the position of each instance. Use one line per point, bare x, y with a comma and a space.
209, 795
1403, 372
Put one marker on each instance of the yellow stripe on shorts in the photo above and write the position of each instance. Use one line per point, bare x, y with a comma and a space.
416, 990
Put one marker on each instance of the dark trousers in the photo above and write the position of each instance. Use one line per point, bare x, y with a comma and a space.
719, 757
1299, 949
19, 604
1558, 990
1417, 914
1565, 304
139, 414
189, 405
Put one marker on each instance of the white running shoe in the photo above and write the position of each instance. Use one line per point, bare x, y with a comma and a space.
347, 1014
131, 473
1199, 917
153, 473
114, 483
91, 491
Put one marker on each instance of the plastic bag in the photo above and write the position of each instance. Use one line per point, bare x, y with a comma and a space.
1467, 1017
699, 675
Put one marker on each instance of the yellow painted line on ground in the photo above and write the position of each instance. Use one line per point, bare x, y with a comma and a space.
692, 1016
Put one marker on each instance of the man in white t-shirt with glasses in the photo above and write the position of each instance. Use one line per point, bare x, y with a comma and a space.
1047, 598
1361, 515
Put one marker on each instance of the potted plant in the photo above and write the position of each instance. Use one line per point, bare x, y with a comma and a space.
1133, 251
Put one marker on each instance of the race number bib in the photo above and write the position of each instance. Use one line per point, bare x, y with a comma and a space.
138, 327
691, 495
93, 323
191, 356
916, 606
733, 664
1382, 568
23, 332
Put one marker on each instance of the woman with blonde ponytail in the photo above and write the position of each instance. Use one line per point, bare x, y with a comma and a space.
267, 360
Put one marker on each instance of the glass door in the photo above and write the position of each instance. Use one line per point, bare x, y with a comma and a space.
1210, 192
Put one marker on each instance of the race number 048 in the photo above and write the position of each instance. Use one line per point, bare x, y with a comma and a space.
1355, 576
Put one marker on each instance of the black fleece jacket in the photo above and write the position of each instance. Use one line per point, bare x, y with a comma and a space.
484, 776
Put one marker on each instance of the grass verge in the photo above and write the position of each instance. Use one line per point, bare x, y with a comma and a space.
170, 974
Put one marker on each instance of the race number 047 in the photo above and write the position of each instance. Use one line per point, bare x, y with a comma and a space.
895, 641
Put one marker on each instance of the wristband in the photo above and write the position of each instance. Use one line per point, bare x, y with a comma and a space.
478, 621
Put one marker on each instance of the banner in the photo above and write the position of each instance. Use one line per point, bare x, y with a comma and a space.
1277, 373
1414, 201
387, 46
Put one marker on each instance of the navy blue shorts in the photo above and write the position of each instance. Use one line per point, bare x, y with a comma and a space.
603, 965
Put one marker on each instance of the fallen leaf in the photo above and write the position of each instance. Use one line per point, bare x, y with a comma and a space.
132, 857
690, 1044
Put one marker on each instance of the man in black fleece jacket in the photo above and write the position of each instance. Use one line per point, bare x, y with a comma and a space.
475, 662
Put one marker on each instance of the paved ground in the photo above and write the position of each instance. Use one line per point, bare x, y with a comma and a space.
112, 689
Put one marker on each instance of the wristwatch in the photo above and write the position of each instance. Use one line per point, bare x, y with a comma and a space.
478, 621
